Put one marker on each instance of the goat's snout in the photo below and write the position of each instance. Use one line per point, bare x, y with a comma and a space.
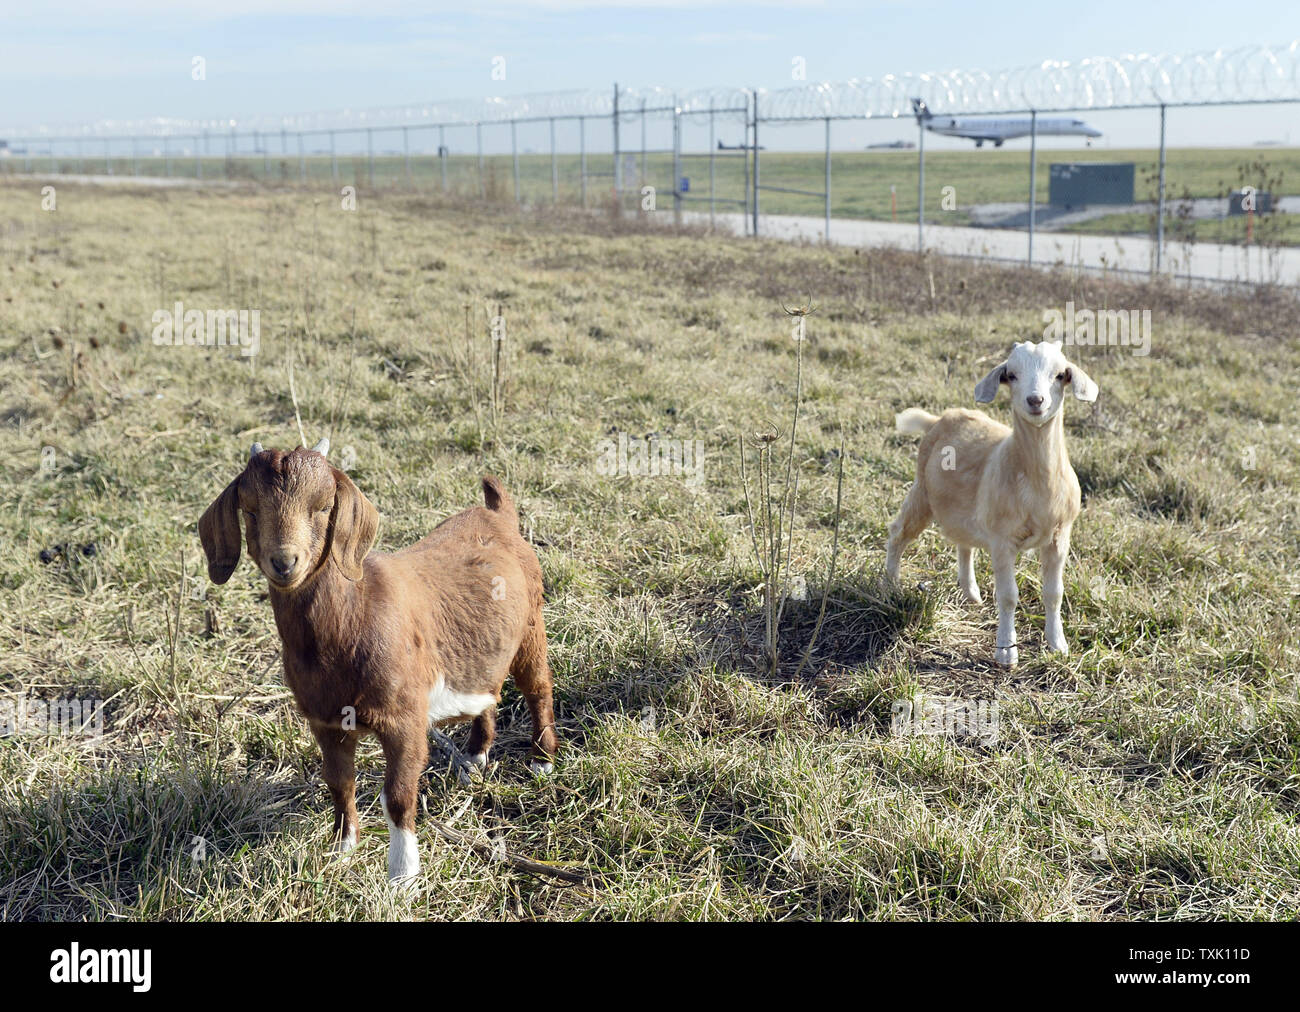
1035, 402
283, 562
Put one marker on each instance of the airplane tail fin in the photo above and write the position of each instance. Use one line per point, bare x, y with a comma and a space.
921, 110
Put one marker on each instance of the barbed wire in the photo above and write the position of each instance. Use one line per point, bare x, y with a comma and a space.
463, 112
1248, 74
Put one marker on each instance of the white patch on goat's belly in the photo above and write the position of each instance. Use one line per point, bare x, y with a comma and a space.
445, 703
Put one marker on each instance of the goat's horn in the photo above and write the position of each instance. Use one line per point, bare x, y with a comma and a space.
323, 447
255, 450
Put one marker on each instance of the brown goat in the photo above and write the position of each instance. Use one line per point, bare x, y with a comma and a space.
387, 644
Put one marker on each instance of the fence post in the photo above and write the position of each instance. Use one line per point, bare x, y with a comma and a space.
582, 159
334, 160
755, 163
744, 166
135, 157
206, 148
828, 180
443, 154
555, 169
514, 156
167, 156
713, 179
1033, 178
677, 162
108, 159
618, 169
920, 186
1160, 200
478, 131
406, 152
370, 157
643, 140
266, 157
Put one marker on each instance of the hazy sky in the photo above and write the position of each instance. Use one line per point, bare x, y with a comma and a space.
63, 62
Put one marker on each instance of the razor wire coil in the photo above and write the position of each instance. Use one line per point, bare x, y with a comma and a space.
1244, 75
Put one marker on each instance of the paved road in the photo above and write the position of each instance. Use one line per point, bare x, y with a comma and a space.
158, 182
1200, 261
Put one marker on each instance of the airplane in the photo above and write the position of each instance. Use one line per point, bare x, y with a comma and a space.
983, 128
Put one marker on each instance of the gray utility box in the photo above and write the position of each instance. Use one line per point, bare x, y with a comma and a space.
1076, 184
1263, 202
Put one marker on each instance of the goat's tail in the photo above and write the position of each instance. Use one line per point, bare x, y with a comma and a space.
914, 420
496, 498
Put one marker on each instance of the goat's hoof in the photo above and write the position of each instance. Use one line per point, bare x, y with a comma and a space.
1006, 657
541, 769
973, 595
471, 769
403, 885
344, 844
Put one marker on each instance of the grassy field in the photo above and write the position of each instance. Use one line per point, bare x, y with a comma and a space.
1152, 774
1268, 230
861, 181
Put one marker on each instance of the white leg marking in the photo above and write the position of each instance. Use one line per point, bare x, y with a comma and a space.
1008, 596
540, 769
966, 574
403, 851
345, 844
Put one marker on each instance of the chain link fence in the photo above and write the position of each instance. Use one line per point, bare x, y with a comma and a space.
704, 156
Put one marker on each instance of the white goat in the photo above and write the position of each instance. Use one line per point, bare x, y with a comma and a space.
1001, 489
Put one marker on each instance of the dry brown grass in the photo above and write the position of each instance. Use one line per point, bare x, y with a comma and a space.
1152, 774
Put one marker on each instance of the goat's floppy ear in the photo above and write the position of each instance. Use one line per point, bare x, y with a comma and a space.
987, 388
219, 532
353, 526
1081, 383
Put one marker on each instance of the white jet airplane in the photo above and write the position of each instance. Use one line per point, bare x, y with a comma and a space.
985, 128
